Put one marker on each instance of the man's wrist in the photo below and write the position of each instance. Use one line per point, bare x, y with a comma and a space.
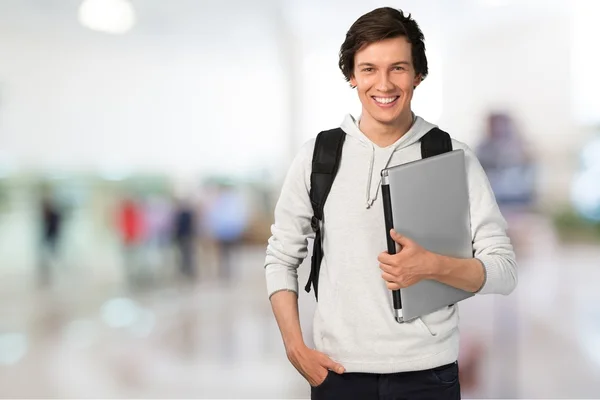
468, 274
436, 266
294, 347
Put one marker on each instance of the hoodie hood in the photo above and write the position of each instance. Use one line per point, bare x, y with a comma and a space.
350, 125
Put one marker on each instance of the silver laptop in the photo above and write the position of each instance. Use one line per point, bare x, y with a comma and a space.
428, 201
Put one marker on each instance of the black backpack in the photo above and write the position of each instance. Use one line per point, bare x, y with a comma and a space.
325, 163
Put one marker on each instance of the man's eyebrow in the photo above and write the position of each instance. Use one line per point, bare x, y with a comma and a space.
368, 64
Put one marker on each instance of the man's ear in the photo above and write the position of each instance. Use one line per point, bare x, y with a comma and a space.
417, 81
353, 82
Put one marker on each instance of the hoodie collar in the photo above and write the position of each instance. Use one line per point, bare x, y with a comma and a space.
419, 127
351, 126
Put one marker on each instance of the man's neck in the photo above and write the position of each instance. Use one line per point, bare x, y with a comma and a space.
384, 135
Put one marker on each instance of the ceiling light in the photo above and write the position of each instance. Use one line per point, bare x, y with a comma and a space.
108, 16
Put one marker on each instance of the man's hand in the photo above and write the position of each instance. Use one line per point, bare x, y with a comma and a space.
313, 365
409, 266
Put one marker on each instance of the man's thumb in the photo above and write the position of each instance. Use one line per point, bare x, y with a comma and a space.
335, 367
398, 238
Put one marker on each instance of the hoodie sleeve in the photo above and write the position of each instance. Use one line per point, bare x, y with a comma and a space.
491, 245
288, 245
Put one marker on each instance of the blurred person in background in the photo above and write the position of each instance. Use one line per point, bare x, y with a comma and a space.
158, 212
510, 168
471, 356
131, 227
226, 221
51, 224
184, 235
361, 351
507, 162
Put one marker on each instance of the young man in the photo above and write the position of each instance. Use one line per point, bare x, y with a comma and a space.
361, 351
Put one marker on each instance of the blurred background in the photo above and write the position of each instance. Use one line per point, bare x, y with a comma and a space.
143, 144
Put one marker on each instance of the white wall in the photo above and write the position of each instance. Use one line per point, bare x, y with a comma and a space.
184, 95
585, 62
173, 103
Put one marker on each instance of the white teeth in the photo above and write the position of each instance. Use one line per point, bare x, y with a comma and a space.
385, 100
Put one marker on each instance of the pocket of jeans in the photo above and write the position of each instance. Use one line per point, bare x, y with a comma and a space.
446, 374
324, 380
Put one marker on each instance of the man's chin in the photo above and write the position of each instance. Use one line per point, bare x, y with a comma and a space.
387, 119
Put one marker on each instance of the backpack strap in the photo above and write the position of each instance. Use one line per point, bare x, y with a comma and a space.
325, 163
435, 142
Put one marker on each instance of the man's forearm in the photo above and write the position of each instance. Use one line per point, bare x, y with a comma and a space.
285, 308
463, 273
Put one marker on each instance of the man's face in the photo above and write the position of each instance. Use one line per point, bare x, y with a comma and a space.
384, 77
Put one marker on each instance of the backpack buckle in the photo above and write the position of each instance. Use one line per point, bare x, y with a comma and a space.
314, 223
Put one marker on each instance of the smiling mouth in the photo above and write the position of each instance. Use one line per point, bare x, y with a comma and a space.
385, 101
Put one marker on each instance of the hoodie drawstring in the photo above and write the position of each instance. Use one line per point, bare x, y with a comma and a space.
352, 127
369, 200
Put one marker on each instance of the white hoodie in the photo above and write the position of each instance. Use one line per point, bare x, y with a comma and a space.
353, 322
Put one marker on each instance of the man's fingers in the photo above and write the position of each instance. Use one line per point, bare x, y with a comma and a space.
386, 268
332, 365
316, 381
391, 259
388, 277
390, 281
385, 258
400, 239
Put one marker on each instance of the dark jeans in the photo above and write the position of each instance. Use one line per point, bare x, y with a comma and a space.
437, 383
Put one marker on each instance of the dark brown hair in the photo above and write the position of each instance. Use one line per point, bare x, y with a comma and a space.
379, 24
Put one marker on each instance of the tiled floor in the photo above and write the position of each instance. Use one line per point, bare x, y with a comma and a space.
91, 337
